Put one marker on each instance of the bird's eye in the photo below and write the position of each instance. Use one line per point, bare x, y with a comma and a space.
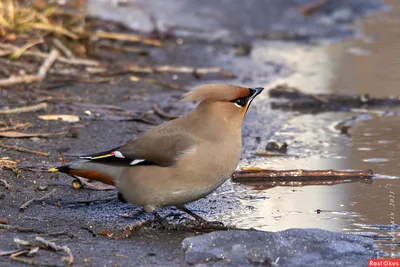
239, 102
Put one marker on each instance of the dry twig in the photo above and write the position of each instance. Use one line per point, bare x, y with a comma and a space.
32, 78
57, 43
179, 69
17, 53
23, 109
12, 134
31, 248
162, 113
305, 102
127, 37
55, 247
72, 61
6, 185
88, 202
18, 126
262, 178
21, 149
29, 262
263, 173
35, 199
20, 229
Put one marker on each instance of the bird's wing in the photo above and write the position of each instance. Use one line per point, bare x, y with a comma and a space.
162, 150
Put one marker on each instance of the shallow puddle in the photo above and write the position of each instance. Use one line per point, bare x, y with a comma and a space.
368, 64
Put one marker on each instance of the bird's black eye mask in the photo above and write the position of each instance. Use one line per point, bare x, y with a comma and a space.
242, 101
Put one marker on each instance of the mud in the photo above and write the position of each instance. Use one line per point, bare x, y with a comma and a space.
312, 141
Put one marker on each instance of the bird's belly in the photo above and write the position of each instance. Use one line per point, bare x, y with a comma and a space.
167, 191
186, 194
187, 181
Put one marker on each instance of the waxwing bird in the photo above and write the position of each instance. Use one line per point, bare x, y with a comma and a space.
180, 161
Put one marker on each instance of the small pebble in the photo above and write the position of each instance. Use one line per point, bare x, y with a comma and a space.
41, 188
73, 132
273, 146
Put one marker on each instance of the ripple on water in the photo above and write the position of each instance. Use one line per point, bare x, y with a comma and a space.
364, 148
375, 160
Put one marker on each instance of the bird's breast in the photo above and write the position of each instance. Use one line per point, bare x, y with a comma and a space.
210, 161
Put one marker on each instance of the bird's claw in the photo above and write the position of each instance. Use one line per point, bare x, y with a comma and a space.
168, 226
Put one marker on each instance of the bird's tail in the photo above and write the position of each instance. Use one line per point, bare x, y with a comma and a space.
88, 170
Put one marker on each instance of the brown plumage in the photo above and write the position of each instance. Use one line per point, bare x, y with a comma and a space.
216, 92
181, 160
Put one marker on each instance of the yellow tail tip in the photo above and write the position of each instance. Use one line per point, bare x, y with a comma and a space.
53, 170
103, 156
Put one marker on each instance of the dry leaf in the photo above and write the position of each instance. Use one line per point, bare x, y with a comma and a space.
11, 134
94, 184
116, 235
134, 78
59, 117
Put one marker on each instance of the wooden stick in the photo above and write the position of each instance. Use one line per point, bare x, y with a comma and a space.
74, 61
265, 179
28, 261
300, 101
20, 229
26, 204
32, 78
53, 28
6, 184
21, 149
17, 126
162, 113
22, 110
57, 43
305, 174
47, 64
17, 53
178, 69
55, 247
12, 134
127, 37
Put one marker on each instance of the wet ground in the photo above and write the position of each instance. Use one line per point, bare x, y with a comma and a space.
363, 65
366, 64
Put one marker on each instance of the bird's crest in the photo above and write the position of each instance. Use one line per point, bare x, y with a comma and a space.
216, 92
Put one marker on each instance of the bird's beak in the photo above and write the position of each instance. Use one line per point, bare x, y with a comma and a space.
255, 92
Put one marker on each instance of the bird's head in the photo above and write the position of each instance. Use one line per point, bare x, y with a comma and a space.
222, 100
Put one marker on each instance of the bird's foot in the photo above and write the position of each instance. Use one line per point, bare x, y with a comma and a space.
200, 219
133, 215
164, 223
199, 223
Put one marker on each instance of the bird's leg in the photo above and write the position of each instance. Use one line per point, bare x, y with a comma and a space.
163, 221
198, 218
121, 198
191, 213
135, 214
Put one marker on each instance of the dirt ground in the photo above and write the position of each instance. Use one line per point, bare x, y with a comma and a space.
80, 219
